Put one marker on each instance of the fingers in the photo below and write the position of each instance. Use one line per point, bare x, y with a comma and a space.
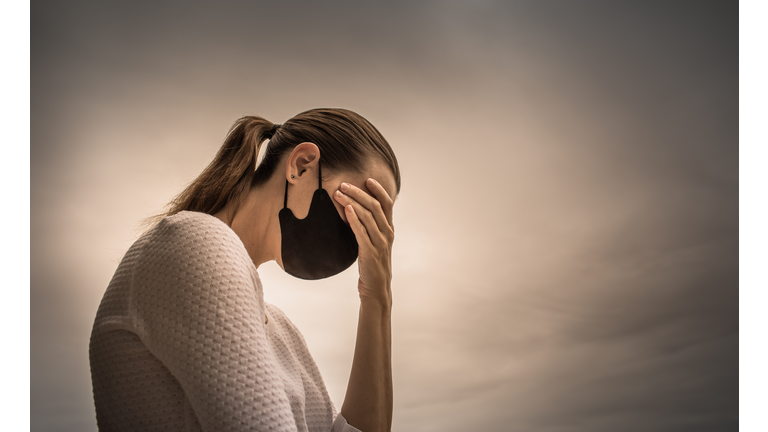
361, 234
380, 206
383, 197
365, 217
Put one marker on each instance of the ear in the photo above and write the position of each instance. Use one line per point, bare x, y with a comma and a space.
302, 162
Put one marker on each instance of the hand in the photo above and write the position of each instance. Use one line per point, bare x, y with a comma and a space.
370, 218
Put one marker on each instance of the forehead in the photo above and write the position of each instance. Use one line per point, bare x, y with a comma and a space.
380, 172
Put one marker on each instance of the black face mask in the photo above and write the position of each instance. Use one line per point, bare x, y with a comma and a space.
320, 245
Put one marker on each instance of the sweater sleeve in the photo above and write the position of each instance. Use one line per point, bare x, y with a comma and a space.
198, 307
340, 425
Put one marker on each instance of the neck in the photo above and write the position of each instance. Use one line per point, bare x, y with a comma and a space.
256, 221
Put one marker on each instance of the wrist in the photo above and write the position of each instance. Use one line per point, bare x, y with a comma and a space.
373, 304
375, 295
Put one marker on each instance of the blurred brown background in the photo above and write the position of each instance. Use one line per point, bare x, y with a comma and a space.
566, 255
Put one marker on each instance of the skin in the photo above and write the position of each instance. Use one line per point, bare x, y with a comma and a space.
365, 201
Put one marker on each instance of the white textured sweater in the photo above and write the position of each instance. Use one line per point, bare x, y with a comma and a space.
180, 341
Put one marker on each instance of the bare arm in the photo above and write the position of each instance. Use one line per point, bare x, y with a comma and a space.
368, 402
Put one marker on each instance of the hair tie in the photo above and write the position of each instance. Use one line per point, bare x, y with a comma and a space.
270, 133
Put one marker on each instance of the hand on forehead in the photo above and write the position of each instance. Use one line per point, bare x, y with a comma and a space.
379, 171
361, 191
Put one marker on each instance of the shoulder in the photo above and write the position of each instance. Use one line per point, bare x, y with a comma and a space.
195, 232
193, 269
194, 243
190, 227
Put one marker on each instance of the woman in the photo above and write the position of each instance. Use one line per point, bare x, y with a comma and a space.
183, 339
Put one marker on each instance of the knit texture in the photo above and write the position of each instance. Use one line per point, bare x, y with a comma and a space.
180, 341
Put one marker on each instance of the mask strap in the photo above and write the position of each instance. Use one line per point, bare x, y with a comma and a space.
319, 182
319, 176
285, 198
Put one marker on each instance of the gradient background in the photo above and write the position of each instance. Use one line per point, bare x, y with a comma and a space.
567, 250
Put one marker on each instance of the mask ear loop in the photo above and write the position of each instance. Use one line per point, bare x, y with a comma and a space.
285, 198
319, 176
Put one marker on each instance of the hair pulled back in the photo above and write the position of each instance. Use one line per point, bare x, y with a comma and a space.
347, 142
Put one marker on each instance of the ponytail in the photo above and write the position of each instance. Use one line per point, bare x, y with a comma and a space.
228, 177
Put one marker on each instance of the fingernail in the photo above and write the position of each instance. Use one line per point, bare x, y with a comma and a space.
339, 194
344, 186
372, 181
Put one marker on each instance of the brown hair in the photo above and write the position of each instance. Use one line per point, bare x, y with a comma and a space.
346, 140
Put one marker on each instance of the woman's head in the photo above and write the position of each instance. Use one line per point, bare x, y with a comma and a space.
347, 143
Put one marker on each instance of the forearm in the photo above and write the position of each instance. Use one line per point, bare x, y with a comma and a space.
368, 402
